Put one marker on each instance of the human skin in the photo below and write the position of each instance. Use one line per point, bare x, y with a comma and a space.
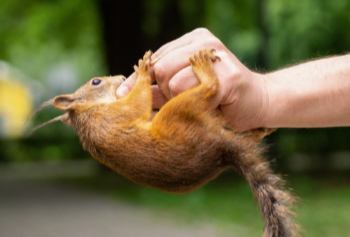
311, 94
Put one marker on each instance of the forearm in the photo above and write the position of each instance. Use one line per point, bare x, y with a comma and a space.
313, 94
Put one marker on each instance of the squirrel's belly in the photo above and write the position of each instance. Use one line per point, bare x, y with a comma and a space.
180, 173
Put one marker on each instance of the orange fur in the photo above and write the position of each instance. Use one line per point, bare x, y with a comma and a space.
182, 147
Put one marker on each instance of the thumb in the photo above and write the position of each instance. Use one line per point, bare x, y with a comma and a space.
124, 89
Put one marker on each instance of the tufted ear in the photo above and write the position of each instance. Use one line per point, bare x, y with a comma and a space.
64, 102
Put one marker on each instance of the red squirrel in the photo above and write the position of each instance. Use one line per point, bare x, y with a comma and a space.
179, 149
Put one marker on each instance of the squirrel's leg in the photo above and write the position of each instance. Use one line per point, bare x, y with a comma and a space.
187, 107
201, 63
140, 97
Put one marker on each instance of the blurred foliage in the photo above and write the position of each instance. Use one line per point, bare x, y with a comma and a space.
264, 34
56, 142
38, 37
308, 29
236, 24
39, 34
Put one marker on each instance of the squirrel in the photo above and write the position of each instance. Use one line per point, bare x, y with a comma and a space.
182, 146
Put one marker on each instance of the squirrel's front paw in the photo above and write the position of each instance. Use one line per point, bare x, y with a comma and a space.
143, 63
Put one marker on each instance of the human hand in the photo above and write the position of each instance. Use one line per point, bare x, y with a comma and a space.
243, 97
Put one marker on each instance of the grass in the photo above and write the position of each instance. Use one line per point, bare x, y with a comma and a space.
324, 208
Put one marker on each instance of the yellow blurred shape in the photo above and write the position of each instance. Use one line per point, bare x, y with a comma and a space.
15, 106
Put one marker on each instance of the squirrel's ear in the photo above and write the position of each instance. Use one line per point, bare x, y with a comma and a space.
63, 102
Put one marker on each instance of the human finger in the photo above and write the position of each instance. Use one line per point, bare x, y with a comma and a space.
168, 66
182, 81
184, 40
124, 89
158, 98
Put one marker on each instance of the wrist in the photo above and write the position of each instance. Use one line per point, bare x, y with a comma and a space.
261, 93
249, 102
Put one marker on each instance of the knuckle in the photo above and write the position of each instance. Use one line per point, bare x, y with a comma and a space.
202, 31
210, 40
238, 80
159, 72
213, 42
175, 88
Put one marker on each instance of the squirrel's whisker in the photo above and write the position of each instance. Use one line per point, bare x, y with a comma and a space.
36, 110
44, 124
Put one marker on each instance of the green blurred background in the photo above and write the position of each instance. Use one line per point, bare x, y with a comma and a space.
52, 47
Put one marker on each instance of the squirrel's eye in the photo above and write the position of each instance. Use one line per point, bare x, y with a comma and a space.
96, 82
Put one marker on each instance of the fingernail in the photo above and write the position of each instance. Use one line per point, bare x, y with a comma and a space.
122, 91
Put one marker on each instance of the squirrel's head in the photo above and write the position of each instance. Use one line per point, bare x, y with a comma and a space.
97, 90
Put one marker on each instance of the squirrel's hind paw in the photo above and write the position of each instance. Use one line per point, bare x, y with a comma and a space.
143, 63
147, 56
204, 56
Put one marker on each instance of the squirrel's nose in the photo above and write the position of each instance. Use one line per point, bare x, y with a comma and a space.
124, 78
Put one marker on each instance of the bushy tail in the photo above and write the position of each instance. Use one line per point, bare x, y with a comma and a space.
268, 189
